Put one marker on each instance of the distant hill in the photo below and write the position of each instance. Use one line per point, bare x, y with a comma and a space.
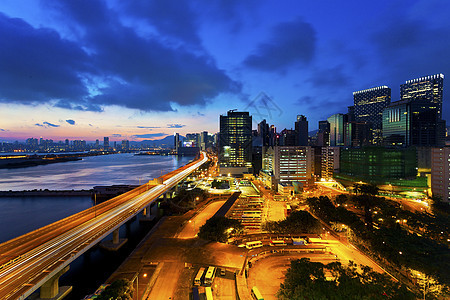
166, 142
313, 133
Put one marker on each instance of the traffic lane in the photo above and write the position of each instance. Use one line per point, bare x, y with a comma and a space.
269, 272
191, 228
224, 286
346, 253
166, 283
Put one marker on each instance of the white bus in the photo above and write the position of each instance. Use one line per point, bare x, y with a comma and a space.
255, 244
256, 294
208, 293
198, 277
209, 277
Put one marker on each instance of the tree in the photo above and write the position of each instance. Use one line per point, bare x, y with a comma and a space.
341, 199
298, 221
369, 189
307, 280
357, 188
219, 229
121, 289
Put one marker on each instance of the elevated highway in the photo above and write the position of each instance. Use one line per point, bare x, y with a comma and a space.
31, 260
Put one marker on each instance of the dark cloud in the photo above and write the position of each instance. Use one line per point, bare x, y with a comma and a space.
330, 77
1, 129
143, 73
71, 122
150, 135
413, 49
233, 13
50, 124
200, 114
147, 127
325, 106
78, 105
291, 43
116, 135
175, 125
46, 124
170, 18
37, 65
110, 64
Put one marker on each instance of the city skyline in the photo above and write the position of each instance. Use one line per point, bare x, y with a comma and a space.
143, 71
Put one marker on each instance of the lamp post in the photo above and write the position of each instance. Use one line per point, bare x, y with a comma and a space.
193, 221
137, 283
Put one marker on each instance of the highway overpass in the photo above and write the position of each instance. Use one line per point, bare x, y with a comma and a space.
41, 256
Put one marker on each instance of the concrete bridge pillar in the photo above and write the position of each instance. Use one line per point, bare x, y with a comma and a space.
51, 290
115, 243
149, 211
116, 236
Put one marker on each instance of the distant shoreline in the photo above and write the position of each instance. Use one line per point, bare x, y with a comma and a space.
46, 192
32, 160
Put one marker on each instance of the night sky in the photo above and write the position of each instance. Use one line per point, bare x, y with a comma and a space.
137, 70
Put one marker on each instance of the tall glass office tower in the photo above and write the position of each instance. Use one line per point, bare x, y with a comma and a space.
235, 141
369, 105
428, 87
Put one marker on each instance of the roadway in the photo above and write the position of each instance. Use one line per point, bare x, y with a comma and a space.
28, 261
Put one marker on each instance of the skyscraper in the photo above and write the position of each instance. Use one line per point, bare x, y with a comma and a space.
106, 143
369, 105
176, 141
264, 132
301, 131
323, 136
288, 137
235, 142
204, 140
337, 129
412, 122
428, 87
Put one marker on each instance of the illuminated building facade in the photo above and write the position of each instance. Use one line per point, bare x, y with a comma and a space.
378, 163
293, 164
368, 107
329, 161
235, 142
337, 129
412, 122
440, 173
428, 87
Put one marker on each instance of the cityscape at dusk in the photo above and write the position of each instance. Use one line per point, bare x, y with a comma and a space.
140, 70
224, 150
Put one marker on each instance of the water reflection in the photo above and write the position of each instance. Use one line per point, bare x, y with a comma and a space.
95, 170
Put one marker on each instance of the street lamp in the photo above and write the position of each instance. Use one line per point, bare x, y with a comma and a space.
192, 221
137, 283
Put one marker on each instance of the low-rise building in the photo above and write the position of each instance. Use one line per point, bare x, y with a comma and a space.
440, 171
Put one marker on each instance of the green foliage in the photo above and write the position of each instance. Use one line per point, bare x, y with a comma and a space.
307, 280
121, 289
297, 222
391, 241
220, 184
217, 229
341, 199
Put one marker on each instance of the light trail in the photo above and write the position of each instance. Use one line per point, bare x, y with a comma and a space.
30, 260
